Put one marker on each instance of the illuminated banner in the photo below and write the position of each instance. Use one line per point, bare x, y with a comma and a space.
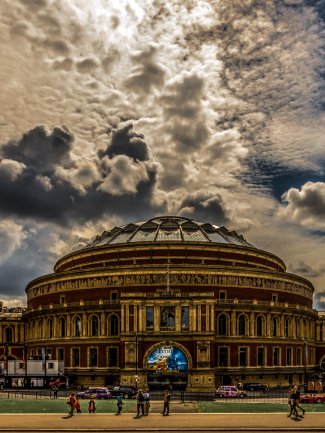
167, 359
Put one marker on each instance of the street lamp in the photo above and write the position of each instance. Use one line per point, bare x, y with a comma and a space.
305, 380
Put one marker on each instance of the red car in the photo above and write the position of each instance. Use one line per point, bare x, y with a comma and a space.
312, 398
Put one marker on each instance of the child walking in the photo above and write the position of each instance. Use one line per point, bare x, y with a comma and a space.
91, 406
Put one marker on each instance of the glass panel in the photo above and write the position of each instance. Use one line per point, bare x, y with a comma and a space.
167, 318
75, 357
196, 236
144, 235
93, 357
242, 356
259, 326
185, 319
114, 325
169, 235
77, 327
123, 237
260, 356
242, 325
112, 357
223, 357
94, 326
149, 318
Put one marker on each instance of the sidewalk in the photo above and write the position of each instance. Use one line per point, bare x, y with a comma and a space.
156, 422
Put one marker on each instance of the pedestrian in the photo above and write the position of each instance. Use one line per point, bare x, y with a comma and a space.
146, 402
71, 401
77, 405
140, 402
292, 403
296, 396
55, 391
91, 406
119, 402
166, 399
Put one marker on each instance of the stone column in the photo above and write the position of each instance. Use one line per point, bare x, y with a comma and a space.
102, 324
252, 324
233, 323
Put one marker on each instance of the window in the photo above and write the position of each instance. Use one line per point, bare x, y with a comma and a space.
259, 326
149, 318
113, 325
8, 335
286, 328
94, 326
113, 357
299, 357
274, 327
185, 318
62, 299
223, 357
276, 356
274, 297
62, 327
114, 297
77, 327
289, 356
93, 357
50, 365
298, 328
222, 296
50, 328
260, 356
222, 324
75, 357
167, 318
242, 325
243, 356
60, 354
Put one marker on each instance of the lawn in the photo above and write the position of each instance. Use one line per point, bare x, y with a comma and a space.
214, 407
32, 405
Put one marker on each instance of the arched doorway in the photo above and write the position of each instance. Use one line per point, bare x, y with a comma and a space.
167, 367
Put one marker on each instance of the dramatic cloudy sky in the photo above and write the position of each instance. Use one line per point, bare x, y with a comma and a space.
115, 111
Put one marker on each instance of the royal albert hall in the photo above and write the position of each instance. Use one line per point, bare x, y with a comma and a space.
175, 301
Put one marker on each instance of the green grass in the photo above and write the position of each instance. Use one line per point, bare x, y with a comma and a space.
32, 405
213, 407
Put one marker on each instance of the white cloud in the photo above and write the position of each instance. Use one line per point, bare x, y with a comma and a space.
12, 236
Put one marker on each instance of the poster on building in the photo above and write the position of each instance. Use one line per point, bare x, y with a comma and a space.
167, 359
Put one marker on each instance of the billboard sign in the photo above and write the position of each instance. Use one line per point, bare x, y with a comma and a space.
167, 359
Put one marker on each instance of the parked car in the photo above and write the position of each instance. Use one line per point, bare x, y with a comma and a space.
312, 398
127, 391
230, 391
92, 392
255, 387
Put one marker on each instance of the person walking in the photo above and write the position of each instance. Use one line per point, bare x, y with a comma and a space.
119, 402
146, 403
166, 399
91, 406
140, 402
77, 405
55, 391
292, 403
296, 396
71, 402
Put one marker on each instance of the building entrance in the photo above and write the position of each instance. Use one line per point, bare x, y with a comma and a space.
167, 367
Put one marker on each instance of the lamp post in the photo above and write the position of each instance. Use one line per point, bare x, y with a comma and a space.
136, 361
305, 379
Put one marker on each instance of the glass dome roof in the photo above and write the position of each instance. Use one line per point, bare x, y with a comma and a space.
168, 229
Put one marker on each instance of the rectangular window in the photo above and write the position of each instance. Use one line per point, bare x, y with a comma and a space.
149, 318
75, 357
260, 356
60, 354
113, 357
93, 357
289, 356
62, 299
243, 356
185, 318
299, 358
50, 365
276, 356
222, 296
223, 356
274, 297
131, 318
114, 297
167, 318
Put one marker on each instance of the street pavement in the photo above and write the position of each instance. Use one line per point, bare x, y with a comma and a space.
188, 422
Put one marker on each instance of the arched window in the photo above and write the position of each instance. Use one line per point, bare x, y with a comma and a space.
62, 327
287, 328
113, 325
50, 328
298, 334
8, 335
222, 324
274, 327
77, 327
94, 326
242, 325
40, 329
259, 326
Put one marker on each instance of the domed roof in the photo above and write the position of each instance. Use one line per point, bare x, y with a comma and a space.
168, 229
